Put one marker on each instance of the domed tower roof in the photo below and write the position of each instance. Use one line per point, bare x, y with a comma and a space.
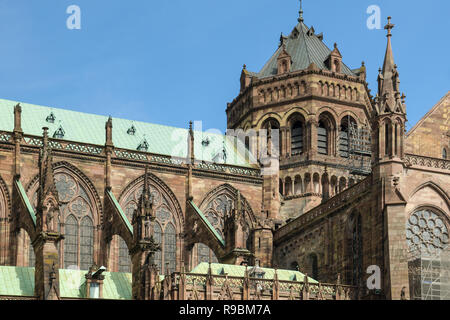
305, 47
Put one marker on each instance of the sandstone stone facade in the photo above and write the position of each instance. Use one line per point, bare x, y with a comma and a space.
345, 196
431, 135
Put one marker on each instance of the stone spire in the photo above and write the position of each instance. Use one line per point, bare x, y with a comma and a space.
47, 189
145, 272
47, 228
389, 116
389, 97
389, 64
144, 215
191, 144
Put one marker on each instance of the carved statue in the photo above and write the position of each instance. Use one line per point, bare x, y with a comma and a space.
147, 229
49, 218
395, 78
195, 227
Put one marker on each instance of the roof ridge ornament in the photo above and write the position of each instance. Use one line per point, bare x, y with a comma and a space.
132, 130
143, 146
59, 133
300, 13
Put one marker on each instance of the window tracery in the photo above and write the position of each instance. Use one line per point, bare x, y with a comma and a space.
76, 222
164, 228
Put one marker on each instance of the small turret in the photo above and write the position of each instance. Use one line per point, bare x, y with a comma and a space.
389, 118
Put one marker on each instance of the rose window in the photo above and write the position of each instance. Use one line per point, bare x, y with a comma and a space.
426, 233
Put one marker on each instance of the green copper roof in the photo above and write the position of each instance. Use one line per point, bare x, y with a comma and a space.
16, 281
208, 224
19, 281
239, 271
119, 208
24, 196
304, 48
90, 128
116, 286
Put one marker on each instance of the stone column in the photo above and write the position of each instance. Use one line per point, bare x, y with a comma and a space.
288, 142
283, 142
391, 140
47, 266
312, 125
17, 136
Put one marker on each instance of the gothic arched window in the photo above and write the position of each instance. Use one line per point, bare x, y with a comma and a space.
204, 253
124, 257
77, 212
170, 247
165, 232
427, 238
219, 202
444, 154
217, 210
71, 243
357, 251
31, 256
86, 243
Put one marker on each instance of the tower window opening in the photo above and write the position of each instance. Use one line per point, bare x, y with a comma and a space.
322, 139
297, 138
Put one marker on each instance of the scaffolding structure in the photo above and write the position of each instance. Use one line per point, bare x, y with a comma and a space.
429, 277
355, 145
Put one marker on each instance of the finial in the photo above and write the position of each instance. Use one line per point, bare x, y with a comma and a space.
389, 27
244, 67
300, 18
335, 45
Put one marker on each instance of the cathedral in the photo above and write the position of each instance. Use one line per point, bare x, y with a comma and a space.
316, 192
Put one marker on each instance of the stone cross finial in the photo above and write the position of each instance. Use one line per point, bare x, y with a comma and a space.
389, 27
300, 13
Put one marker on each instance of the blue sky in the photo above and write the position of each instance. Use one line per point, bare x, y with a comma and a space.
169, 62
